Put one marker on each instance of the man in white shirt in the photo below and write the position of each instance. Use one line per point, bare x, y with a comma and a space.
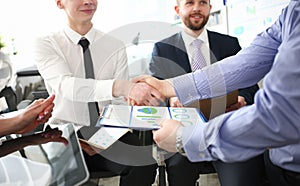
60, 61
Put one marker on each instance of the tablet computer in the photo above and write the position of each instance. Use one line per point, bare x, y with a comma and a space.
67, 163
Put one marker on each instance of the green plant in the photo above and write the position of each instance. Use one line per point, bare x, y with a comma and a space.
1, 43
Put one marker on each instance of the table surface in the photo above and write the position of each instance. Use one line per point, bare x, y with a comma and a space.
29, 71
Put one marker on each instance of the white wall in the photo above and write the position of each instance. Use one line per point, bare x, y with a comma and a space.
248, 18
23, 20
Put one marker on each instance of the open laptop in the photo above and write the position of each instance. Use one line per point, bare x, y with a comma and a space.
67, 163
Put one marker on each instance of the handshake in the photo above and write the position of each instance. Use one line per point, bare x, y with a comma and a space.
144, 90
149, 91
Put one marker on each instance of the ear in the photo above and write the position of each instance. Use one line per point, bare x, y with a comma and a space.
59, 4
177, 9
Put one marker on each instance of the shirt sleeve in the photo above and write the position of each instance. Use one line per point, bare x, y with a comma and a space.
272, 121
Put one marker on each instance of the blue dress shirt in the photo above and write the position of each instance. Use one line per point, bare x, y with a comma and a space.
273, 122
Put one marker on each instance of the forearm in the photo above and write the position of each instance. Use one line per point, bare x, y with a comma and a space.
12, 145
230, 74
8, 125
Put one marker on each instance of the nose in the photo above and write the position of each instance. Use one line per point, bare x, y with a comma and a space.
197, 7
88, 2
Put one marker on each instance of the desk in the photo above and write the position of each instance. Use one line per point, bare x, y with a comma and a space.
29, 71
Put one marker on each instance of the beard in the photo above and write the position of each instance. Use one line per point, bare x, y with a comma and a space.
196, 26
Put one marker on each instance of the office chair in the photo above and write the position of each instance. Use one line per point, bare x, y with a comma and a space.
10, 97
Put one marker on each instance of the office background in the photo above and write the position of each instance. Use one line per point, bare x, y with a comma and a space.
22, 21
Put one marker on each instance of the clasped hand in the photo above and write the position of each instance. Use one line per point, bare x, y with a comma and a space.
150, 87
155, 90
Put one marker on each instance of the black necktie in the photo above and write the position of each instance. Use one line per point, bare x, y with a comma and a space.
89, 73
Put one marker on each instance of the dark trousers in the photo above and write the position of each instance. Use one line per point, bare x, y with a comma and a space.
127, 158
247, 173
183, 172
280, 177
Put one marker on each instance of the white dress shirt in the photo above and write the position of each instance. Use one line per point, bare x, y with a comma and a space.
59, 59
188, 42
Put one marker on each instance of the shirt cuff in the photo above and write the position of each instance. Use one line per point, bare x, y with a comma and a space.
103, 90
191, 87
185, 88
194, 143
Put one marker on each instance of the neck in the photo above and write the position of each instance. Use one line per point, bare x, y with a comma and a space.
82, 29
193, 33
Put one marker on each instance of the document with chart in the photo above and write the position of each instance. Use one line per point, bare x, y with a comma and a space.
147, 117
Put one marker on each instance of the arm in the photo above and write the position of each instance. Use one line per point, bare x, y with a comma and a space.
61, 78
243, 70
65, 79
248, 92
273, 121
12, 145
35, 114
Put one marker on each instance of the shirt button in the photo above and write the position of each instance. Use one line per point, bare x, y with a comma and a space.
201, 155
190, 96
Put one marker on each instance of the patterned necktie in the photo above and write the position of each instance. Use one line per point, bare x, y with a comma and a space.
198, 60
89, 73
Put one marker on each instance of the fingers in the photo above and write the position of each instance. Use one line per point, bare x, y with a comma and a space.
48, 103
165, 137
89, 149
143, 94
174, 102
43, 103
46, 114
45, 108
241, 103
140, 78
60, 140
54, 135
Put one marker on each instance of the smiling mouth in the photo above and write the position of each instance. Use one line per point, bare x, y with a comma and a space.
88, 11
197, 16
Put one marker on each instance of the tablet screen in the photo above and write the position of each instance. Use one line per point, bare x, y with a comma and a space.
67, 162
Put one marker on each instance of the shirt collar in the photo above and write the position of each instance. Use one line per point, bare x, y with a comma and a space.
75, 37
189, 39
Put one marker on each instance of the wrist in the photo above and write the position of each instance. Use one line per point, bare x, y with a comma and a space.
120, 88
179, 143
169, 88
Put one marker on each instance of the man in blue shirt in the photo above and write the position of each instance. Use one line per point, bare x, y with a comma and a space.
174, 56
272, 122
